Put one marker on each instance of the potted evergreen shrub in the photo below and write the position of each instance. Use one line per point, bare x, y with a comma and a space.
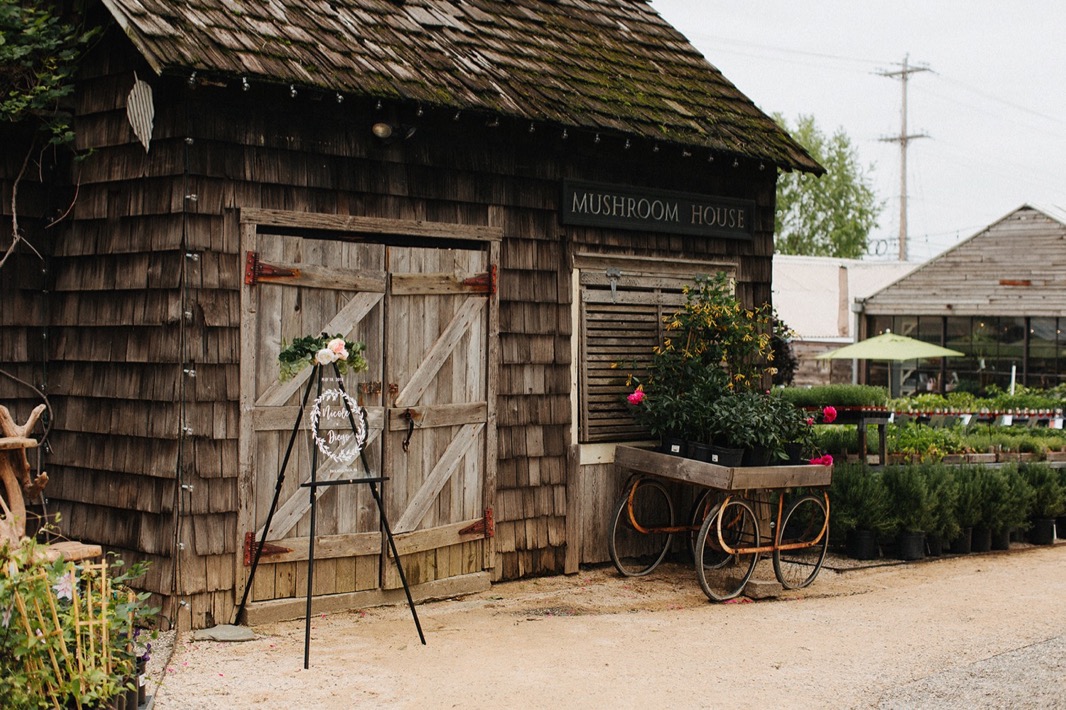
992, 490
908, 492
967, 506
861, 509
1013, 511
1048, 502
943, 501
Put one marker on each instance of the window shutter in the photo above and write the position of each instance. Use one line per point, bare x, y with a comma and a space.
619, 329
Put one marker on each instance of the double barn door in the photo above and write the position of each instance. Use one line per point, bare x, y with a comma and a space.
426, 315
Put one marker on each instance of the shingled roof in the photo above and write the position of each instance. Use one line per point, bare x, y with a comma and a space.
603, 65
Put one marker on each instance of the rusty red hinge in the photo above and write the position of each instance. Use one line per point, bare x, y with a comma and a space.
256, 270
250, 546
486, 526
485, 282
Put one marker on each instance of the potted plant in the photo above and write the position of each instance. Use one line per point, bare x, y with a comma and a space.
1013, 510
850, 401
747, 422
967, 506
992, 491
712, 347
943, 500
1048, 502
861, 509
908, 491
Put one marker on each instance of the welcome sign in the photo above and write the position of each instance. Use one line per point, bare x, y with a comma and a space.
637, 208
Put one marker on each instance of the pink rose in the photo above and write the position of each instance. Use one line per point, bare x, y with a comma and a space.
810, 421
336, 346
636, 396
829, 415
826, 460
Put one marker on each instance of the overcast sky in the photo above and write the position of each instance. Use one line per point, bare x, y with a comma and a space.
993, 103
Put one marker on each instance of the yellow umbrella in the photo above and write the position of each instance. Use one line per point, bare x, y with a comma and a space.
889, 346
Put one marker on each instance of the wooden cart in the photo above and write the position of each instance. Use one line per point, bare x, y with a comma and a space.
739, 514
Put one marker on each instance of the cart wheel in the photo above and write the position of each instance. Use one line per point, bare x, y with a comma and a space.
706, 505
805, 522
725, 578
633, 552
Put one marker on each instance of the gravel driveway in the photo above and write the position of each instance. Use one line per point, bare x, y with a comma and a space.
970, 631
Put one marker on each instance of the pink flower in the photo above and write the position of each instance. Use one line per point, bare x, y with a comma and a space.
810, 421
636, 396
336, 346
829, 415
826, 460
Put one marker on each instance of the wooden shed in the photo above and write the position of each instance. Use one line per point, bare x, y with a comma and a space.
999, 297
499, 198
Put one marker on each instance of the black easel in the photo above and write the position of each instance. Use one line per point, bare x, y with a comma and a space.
312, 485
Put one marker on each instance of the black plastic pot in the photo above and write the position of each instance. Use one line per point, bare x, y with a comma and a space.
675, 446
910, 545
981, 540
726, 457
1043, 531
699, 451
1001, 539
756, 456
861, 545
934, 545
961, 544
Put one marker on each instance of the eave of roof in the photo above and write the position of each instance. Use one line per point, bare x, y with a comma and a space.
610, 65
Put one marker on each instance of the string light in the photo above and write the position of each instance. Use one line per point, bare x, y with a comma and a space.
378, 107
627, 144
685, 153
532, 128
192, 80
736, 163
456, 116
596, 139
565, 134
292, 90
244, 84
419, 111
340, 97
710, 157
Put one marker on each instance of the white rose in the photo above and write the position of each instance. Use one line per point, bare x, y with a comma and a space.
325, 356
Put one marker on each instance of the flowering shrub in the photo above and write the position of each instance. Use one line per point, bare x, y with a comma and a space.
321, 350
713, 348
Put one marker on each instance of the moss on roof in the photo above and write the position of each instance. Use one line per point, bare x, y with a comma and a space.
594, 64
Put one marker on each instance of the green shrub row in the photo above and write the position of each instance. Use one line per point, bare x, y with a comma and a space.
920, 443
940, 499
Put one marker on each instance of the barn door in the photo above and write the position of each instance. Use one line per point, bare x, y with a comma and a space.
424, 314
296, 287
437, 400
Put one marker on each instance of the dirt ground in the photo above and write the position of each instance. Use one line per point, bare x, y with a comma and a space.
984, 630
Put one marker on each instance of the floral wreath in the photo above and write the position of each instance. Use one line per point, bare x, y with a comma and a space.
321, 350
347, 455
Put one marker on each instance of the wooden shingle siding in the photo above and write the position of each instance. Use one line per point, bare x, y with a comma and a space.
144, 282
1014, 267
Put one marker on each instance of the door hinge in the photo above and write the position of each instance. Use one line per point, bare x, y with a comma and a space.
483, 283
486, 526
256, 270
250, 545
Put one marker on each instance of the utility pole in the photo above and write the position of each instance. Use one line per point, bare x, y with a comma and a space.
903, 138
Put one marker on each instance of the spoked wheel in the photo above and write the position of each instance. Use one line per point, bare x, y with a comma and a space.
635, 551
804, 523
706, 505
724, 578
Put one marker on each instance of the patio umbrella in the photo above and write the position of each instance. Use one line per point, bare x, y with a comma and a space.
889, 346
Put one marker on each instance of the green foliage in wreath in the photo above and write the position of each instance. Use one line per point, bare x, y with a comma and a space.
321, 350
